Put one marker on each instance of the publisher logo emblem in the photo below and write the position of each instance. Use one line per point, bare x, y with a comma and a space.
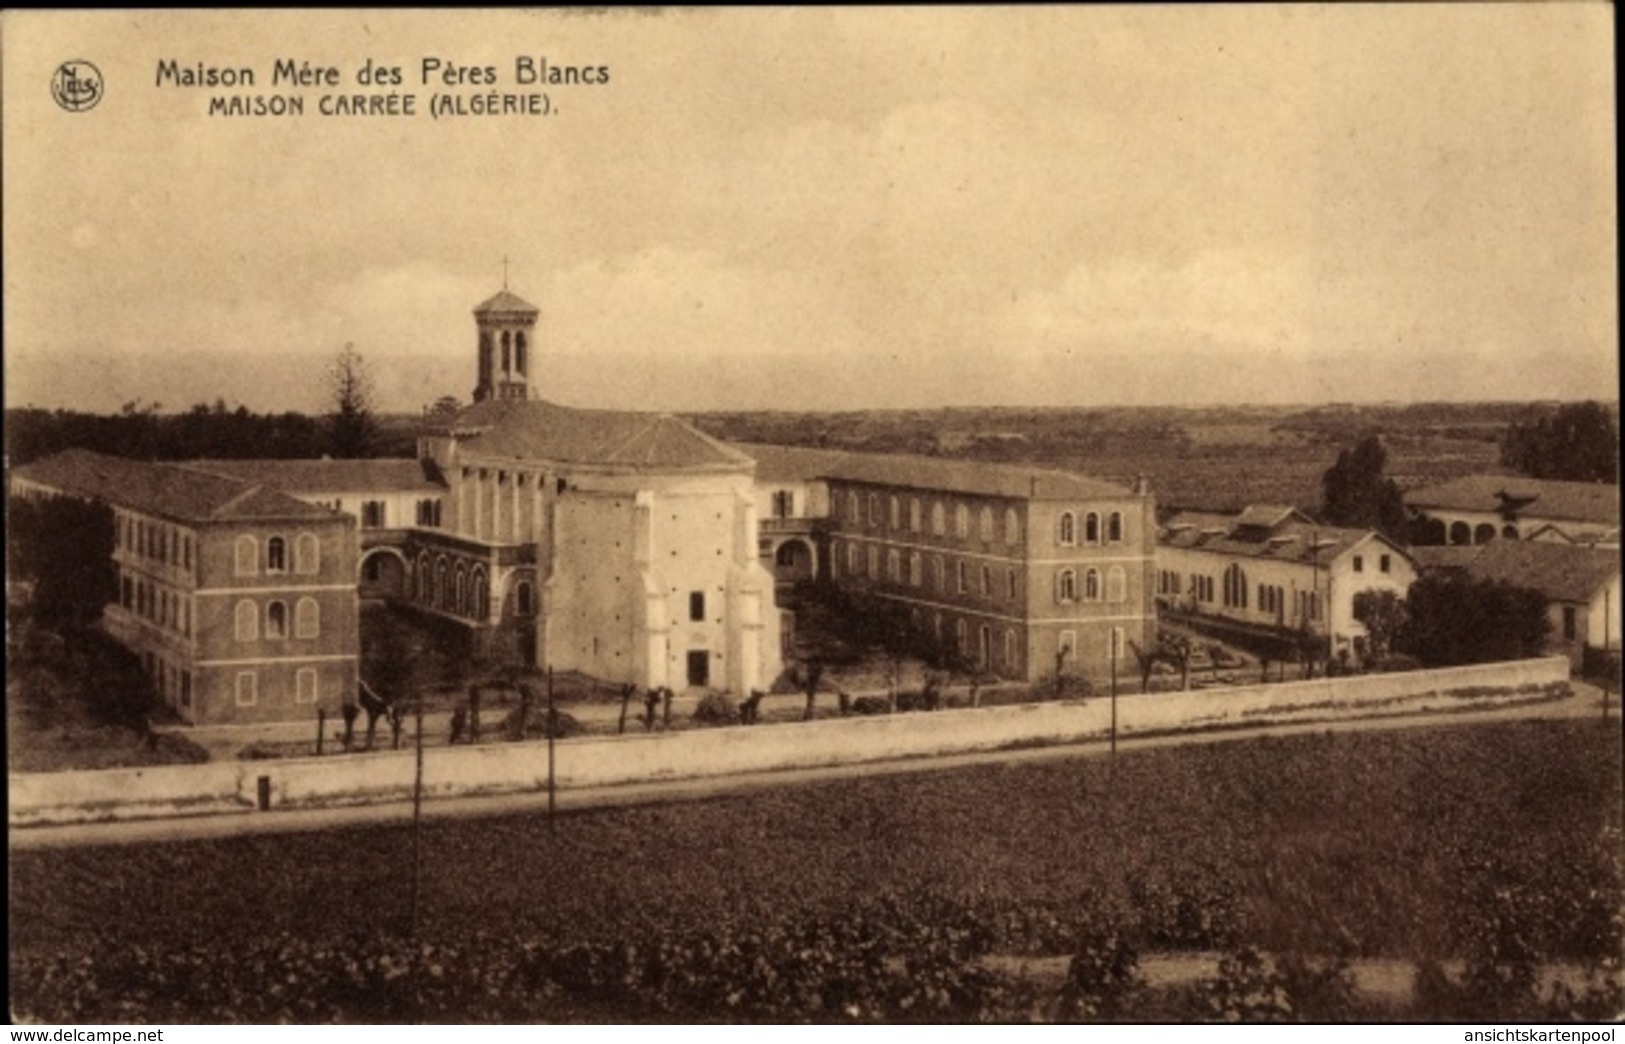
77, 85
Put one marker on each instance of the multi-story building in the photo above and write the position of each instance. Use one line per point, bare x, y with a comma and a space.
1476, 509
1025, 572
239, 600
1273, 572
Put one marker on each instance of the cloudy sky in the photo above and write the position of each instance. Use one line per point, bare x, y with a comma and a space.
816, 209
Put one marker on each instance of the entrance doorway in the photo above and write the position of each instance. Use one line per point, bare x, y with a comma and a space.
699, 667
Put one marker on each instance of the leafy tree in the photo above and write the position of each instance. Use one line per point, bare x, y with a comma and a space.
64, 545
1355, 492
1384, 615
1578, 443
1456, 619
351, 425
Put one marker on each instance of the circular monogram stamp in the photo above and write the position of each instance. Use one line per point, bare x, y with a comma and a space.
77, 85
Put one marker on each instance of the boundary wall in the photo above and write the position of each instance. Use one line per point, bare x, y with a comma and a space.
605, 761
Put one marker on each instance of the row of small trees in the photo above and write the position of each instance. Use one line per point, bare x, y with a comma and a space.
142, 431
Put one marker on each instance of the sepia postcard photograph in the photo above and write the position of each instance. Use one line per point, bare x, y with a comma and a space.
911, 515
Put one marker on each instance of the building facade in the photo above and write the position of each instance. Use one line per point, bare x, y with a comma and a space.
1021, 572
1273, 572
239, 600
1476, 509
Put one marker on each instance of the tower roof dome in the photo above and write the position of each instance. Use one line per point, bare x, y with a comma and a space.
506, 303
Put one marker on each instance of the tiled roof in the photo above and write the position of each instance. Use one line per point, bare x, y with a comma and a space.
1445, 556
1290, 541
1562, 572
1269, 515
536, 430
331, 476
929, 473
166, 490
1533, 498
505, 303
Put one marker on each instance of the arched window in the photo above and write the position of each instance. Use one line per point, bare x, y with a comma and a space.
939, 573
248, 556
984, 647
939, 524
1010, 584
507, 352
961, 635
1010, 664
914, 569
276, 620
1461, 533
874, 562
987, 580
1066, 586
896, 515
1114, 528
523, 599
961, 584
914, 515
1012, 527
984, 524
519, 352
1116, 585
874, 509
852, 559
1091, 585
852, 507
307, 619
961, 521
1066, 531
442, 585
1235, 587
1091, 528
307, 555
481, 596
248, 621
459, 590
276, 555
894, 565
424, 578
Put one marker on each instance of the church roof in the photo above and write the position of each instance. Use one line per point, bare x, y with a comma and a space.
789, 463
1526, 497
166, 490
505, 303
538, 430
385, 475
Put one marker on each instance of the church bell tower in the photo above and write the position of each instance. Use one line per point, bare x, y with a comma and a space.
507, 332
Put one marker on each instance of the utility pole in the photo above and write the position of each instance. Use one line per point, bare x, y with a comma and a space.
417, 820
552, 727
1112, 639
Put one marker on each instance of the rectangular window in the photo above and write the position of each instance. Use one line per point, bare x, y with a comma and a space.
696, 605
248, 688
1359, 564
1383, 563
372, 514
305, 685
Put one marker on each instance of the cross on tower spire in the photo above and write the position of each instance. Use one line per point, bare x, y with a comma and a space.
504, 271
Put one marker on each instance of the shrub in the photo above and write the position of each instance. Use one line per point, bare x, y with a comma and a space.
716, 709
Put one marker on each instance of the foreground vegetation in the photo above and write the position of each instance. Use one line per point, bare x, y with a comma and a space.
872, 899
